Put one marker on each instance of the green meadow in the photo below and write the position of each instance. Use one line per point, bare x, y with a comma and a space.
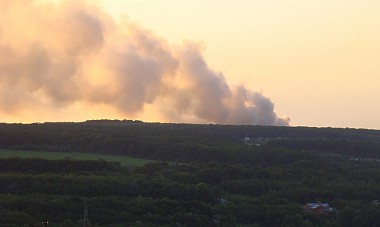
124, 160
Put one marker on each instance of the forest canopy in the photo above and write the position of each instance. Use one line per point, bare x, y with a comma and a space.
205, 175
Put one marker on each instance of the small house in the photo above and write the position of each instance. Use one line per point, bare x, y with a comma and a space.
375, 203
318, 208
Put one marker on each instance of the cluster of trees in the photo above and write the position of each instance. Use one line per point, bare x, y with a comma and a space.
34, 165
362, 149
211, 178
180, 142
212, 194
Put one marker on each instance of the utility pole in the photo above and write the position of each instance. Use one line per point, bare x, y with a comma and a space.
86, 221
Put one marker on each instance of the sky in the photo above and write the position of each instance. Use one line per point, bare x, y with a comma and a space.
264, 62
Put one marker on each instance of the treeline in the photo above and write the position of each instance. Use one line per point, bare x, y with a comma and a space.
184, 142
39, 165
361, 149
212, 194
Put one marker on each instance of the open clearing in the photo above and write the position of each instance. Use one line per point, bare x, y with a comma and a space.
124, 160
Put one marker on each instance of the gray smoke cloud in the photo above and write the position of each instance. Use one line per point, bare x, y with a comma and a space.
56, 55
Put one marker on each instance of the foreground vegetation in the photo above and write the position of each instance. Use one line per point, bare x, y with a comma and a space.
214, 178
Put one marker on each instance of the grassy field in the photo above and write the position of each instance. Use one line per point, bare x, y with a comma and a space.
124, 160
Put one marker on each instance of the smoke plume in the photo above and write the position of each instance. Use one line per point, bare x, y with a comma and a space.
58, 57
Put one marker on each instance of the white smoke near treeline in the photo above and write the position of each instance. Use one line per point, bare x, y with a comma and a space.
58, 55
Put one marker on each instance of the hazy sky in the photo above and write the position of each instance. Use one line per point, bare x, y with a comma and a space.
317, 61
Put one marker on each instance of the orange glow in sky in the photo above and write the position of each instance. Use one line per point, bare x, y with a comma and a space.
317, 61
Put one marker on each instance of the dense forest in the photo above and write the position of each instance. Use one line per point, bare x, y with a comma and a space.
205, 175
